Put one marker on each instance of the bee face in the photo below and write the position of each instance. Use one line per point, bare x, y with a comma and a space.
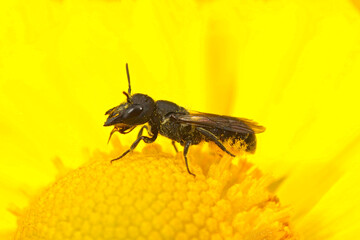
136, 111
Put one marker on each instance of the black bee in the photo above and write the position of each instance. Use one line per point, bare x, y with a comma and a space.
178, 124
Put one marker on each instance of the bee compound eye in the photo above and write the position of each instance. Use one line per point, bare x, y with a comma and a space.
132, 112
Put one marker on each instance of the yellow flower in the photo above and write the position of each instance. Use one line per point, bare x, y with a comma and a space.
151, 196
291, 65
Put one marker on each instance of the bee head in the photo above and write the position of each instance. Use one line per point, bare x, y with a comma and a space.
137, 110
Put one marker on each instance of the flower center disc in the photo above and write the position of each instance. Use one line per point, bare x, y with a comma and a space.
151, 196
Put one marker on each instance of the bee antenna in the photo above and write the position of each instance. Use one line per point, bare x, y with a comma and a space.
128, 76
127, 96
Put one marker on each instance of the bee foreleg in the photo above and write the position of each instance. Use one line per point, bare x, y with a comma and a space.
139, 138
112, 132
213, 138
141, 130
186, 149
122, 155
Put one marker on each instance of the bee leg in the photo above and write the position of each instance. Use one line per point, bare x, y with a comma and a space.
173, 143
139, 138
213, 138
121, 156
186, 149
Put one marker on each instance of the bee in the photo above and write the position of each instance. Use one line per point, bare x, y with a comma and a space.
178, 124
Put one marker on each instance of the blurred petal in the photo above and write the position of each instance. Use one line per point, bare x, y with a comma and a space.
293, 66
336, 215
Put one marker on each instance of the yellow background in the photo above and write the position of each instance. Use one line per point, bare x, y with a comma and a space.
293, 66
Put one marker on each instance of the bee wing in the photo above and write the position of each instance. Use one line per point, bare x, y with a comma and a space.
232, 124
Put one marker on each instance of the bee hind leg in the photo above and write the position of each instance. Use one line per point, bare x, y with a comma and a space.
213, 138
137, 141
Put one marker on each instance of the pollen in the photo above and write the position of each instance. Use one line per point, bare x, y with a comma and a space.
150, 195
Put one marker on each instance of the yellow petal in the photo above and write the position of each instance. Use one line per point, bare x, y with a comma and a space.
336, 215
